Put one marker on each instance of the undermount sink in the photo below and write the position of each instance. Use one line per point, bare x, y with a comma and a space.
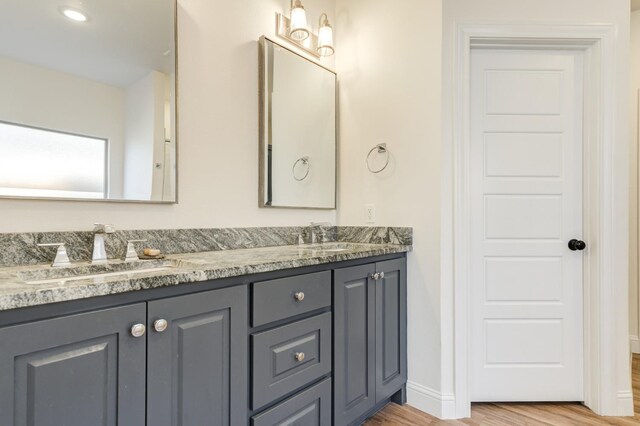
327, 247
85, 272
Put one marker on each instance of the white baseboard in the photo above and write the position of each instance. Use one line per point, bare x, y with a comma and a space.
625, 404
635, 344
431, 401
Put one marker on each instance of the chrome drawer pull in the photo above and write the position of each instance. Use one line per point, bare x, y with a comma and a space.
299, 356
299, 296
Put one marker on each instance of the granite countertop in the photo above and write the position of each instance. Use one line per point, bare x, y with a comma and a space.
20, 286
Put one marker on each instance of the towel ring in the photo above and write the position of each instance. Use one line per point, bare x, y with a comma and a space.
304, 161
381, 148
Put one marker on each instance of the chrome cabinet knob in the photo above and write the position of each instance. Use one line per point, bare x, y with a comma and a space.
299, 296
138, 330
160, 325
377, 276
299, 356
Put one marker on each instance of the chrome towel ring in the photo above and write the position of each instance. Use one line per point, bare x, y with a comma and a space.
302, 161
381, 148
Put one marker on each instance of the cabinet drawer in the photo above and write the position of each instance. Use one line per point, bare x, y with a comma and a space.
290, 357
276, 299
311, 407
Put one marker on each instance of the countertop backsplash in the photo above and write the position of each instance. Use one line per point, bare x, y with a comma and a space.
21, 248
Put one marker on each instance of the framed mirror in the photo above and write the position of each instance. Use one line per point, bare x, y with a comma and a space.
297, 130
88, 104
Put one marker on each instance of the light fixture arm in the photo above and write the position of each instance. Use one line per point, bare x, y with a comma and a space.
323, 23
298, 3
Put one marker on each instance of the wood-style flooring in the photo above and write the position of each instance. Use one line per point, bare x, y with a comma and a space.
531, 414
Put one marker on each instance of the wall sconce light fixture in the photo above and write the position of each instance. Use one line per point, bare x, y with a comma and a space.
325, 36
299, 30
295, 29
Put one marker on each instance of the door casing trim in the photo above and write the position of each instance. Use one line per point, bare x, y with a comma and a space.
604, 286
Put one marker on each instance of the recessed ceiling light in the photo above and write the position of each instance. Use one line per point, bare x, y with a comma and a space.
74, 14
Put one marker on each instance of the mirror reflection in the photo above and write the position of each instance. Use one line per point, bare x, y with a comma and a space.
87, 109
298, 131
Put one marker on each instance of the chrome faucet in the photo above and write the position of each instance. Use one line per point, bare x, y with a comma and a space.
323, 233
99, 252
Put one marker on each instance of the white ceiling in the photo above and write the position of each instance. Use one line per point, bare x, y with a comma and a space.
122, 41
635, 4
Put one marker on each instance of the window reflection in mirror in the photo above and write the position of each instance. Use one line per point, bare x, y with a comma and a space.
87, 109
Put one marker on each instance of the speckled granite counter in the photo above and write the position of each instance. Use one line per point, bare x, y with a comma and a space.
22, 286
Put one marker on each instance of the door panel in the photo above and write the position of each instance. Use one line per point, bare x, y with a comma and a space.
79, 370
526, 190
391, 328
523, 155
504, 91
354, 343
523, 279
195, 365
523, 217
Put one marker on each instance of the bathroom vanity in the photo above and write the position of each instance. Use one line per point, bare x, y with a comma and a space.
318, 336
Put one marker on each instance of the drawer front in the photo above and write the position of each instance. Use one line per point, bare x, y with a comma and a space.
309, 408
276, 299
290, 357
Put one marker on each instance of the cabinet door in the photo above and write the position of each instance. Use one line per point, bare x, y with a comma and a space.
198, 365
354, 343
391, 328
78, 370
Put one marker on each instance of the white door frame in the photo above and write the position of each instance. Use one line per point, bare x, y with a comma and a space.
602, 283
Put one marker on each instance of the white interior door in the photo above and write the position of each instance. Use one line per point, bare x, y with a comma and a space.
526, 191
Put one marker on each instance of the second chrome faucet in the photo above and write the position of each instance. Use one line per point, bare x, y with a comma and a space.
100, 231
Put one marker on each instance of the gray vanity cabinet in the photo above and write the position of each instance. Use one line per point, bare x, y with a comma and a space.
370, 337
354, 343
78, 370
391, 328
198, 365
326, 345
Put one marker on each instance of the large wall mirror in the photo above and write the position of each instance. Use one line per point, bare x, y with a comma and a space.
88, 100
297, 130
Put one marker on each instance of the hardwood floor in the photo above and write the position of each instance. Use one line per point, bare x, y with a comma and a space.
532, 414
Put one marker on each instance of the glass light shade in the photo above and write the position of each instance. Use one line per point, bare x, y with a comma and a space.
325, 40
299, 30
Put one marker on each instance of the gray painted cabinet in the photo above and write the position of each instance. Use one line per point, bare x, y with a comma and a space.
354, 343
311, 407
198, 365
391, 328
88, 369
275, 300
370, 337
78, 370
289, 357
326, 346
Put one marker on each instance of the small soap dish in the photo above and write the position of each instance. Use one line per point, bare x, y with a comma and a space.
145, 257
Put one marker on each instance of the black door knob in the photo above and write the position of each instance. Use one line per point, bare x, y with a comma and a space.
577, 245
